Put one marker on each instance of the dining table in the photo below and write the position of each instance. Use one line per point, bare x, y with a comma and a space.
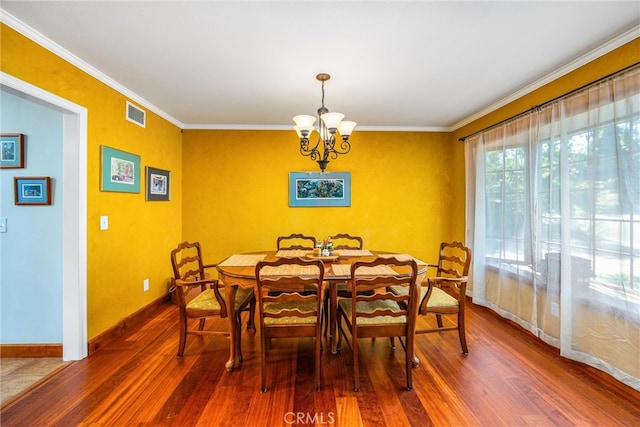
238, 271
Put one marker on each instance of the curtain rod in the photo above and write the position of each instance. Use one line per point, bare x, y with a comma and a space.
535, 107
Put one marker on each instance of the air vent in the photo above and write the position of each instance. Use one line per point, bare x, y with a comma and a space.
135, 114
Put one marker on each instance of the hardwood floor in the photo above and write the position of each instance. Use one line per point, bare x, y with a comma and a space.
509, 378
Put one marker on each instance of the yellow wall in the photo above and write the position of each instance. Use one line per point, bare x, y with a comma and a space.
141, 233
402, 191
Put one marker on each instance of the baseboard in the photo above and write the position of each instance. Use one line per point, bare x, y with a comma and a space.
30, 350
125, 324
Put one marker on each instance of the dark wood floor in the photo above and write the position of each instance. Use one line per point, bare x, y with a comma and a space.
509, 378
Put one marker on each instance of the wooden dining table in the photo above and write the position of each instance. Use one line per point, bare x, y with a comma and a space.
238, 270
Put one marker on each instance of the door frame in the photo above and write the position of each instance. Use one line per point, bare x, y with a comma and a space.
74, 212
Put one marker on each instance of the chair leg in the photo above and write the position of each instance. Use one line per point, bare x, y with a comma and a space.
251, 323
183, 337
263, 361
392, 343
238, 337
201, 325
408, 357
356, 366
439, 320
461, 333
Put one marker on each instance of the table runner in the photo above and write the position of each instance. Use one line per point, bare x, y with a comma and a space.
354, 252
242, 260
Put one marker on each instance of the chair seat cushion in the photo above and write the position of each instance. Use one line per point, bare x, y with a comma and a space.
439, 298
278, 307
206, 300
369, 307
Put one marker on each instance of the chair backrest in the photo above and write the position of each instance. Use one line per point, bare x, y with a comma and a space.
346, 241
186, 261
295, 282
296, 241
378, 276
454, 260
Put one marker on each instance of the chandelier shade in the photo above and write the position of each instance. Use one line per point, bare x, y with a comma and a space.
328, 123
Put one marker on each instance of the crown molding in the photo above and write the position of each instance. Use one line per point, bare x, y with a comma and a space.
35, 36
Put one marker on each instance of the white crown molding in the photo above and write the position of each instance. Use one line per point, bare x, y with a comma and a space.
30, 33
55, 48
607, 47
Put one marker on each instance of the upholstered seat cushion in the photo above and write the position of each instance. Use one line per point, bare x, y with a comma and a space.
278, 307
439, 298
369, 307
206, 300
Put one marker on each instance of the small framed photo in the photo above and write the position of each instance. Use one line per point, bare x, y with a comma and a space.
158, 184
32, 190
12, 150
120, 171
319, 189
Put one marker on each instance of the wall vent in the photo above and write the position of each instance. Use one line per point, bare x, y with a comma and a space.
136, 115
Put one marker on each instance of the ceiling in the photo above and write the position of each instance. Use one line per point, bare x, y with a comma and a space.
394, 65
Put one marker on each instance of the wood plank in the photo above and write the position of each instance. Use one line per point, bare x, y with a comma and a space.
509, 377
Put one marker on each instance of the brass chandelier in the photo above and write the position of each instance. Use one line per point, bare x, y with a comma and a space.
328, 125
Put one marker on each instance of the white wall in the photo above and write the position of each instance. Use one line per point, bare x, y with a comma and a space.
31, 250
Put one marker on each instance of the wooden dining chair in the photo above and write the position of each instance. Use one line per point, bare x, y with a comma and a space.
444, 292
200, 297
341, 241
296, 241
383, 313
286, 306
346, 241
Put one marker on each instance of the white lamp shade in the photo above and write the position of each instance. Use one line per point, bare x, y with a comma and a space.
304, 121
299, 131
345, 128
332, 120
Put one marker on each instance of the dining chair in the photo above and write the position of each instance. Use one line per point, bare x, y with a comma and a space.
346, 241
296, 241
286, 306
341, 241
445, 292
384, 313
200, 297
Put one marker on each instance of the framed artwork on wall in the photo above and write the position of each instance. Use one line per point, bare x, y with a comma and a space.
158, 184
32, 190
319, 189
12, 150
120, 171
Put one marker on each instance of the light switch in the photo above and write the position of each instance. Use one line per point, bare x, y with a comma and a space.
3, 224
104, 222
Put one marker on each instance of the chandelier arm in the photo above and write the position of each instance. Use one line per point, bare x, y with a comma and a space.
313, 153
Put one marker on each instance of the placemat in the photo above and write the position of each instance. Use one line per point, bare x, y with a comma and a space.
378, 270
292, 253
402, 257
354, 252
242, 260
289, 270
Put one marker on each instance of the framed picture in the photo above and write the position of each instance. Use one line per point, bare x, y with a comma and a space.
158, 184
32, 190
120, 171
319, 189
12, 150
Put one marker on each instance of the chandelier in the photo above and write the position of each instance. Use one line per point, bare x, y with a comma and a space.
328, 125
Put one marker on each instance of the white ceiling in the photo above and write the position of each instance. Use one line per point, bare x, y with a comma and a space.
421, 65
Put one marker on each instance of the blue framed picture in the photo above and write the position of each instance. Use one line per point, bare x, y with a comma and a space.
120, 171
12, 150
32, 190
319, 189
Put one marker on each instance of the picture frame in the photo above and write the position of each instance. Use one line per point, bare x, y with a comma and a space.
120, 171
11, 151
319, 189
32, 190
158, 184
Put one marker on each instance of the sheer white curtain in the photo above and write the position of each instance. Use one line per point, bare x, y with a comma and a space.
553, 217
